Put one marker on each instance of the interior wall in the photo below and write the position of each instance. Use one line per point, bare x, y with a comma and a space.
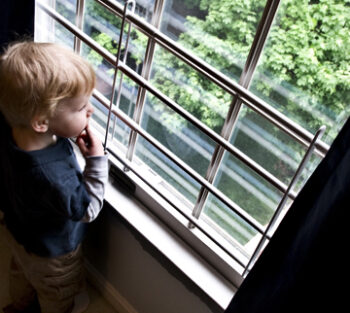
140, 273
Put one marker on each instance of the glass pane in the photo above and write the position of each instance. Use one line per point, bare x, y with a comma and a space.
54, 32
194, 92
247, 189
100, 113
104, 27
120, 131
185, 186
104, 74
128, 95
48, 30
67, 8
218, 31
267, 145
144, 8
313, 162
104, 70
63, 36
231, 226
304, 69
179, 136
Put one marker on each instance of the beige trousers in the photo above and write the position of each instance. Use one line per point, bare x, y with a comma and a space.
55, 281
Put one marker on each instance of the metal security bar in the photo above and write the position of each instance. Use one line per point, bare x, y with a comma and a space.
291, 128
143, 83
117, 66
129, 164
79, 20
283, 201
236, 104
146, 72
239, 92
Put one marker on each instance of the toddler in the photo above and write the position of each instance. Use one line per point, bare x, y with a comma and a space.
46, 200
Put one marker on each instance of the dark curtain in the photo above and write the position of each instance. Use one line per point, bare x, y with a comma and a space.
304, 268
16, 21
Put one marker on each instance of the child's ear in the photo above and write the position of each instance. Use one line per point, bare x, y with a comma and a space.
40, 124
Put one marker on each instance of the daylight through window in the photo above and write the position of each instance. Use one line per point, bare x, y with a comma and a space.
224, 107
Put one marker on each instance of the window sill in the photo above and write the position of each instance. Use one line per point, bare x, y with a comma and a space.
161, 236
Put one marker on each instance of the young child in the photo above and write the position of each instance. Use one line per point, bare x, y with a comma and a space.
46, 201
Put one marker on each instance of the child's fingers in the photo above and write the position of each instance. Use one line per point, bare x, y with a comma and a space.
91, 138
82, 145
92, 145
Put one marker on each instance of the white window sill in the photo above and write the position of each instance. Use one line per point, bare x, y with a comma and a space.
182, 255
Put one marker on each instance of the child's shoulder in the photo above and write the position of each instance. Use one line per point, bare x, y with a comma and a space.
58, 160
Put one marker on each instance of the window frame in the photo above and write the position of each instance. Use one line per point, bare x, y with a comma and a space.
239, 92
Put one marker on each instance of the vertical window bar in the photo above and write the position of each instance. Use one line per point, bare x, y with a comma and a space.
245, 80
121, 73
79, 19
283, 201
116, 68
146, 72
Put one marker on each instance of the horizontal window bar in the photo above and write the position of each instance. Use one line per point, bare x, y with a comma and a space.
130, 123
78, 32
280, 120
261, 107
136, 127
144, 83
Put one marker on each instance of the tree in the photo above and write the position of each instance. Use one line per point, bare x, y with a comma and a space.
304, 71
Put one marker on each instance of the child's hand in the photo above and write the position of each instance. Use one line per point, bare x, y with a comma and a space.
89, 144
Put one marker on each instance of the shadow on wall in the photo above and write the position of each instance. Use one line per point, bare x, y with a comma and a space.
140, 274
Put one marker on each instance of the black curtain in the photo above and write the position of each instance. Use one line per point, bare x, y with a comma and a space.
304, 268
16, 21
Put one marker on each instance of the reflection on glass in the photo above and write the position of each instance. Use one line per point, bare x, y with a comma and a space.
179, 136
170, 172
194, 92
218, 31
304, 69
104, 27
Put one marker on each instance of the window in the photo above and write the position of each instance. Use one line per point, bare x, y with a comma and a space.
219, 105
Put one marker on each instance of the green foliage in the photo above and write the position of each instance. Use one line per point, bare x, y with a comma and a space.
222, 39
307, 53
304, 71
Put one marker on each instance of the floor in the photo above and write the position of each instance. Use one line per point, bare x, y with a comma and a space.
97, 303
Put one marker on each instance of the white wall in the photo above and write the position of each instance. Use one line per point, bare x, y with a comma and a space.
140, 277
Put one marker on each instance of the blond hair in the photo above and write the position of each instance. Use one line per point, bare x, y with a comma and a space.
35, 77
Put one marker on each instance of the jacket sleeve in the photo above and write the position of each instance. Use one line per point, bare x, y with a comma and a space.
95, 178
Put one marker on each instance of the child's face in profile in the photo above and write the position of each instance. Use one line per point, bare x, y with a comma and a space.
71, 117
